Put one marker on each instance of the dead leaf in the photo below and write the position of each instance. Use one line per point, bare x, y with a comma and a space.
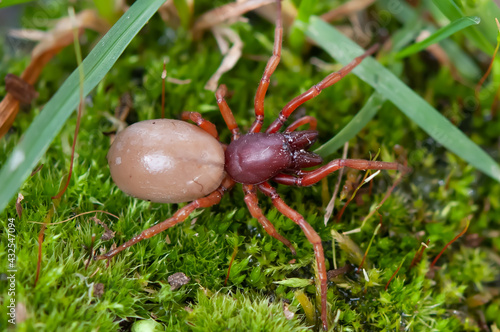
286, 310
288, 13
169, 14
20, 89
177, 280
178, 81
332, 274
121, 113
331, 204
37, 169
21, 313
19, 207
221, 14
352, 250
56, 39
108, 234
126, 104
94, 273
477, 300
231, 55
346, 9
98, 290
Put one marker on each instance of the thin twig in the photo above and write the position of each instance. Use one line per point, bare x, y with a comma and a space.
78, 215
395, 272
449, 243
78, 53
233, 256
331, 203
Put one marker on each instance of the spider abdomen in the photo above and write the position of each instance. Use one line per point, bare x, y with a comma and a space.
166, 161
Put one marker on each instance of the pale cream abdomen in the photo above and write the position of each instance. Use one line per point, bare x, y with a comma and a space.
166, 161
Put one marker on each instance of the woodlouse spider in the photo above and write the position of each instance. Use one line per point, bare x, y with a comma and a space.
172, 161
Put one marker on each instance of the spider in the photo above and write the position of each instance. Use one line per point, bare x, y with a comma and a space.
172, 161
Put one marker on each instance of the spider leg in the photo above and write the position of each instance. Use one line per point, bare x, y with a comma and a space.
311, 235
310, 178
256, 212
179, 216
272, 63
220, 94
316, 89
302, 121
206, 125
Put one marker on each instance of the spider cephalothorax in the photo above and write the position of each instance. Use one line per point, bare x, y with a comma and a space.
256, 158
194, 161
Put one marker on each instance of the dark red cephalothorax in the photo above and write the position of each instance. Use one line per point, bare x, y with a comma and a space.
257, 157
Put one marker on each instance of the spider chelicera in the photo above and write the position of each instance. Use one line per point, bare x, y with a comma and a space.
164, 161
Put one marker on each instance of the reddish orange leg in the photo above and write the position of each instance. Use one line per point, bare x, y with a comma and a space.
256, 212
178, 217
272, 63
314, 176
206, 125
302, 121
311, 235
220, 94
316, 90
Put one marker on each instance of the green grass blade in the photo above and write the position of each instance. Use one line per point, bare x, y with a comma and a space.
488, 11
184, 12
297, 37
359, 121
406, 34
461, 60
8, 3
449, 8
415, 107
453, 12
404, 13
439, 35
55, 113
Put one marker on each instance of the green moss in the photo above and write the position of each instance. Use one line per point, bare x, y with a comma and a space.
240, 312
431, 203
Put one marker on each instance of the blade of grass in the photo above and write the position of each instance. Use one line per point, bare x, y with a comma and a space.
488, 11
357, 123
184, 12
449, 9
453, 12
55, 113
297, 37
415, 107
439, 35
81, 101
488, 71
461, 60
406, 34
8, 3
